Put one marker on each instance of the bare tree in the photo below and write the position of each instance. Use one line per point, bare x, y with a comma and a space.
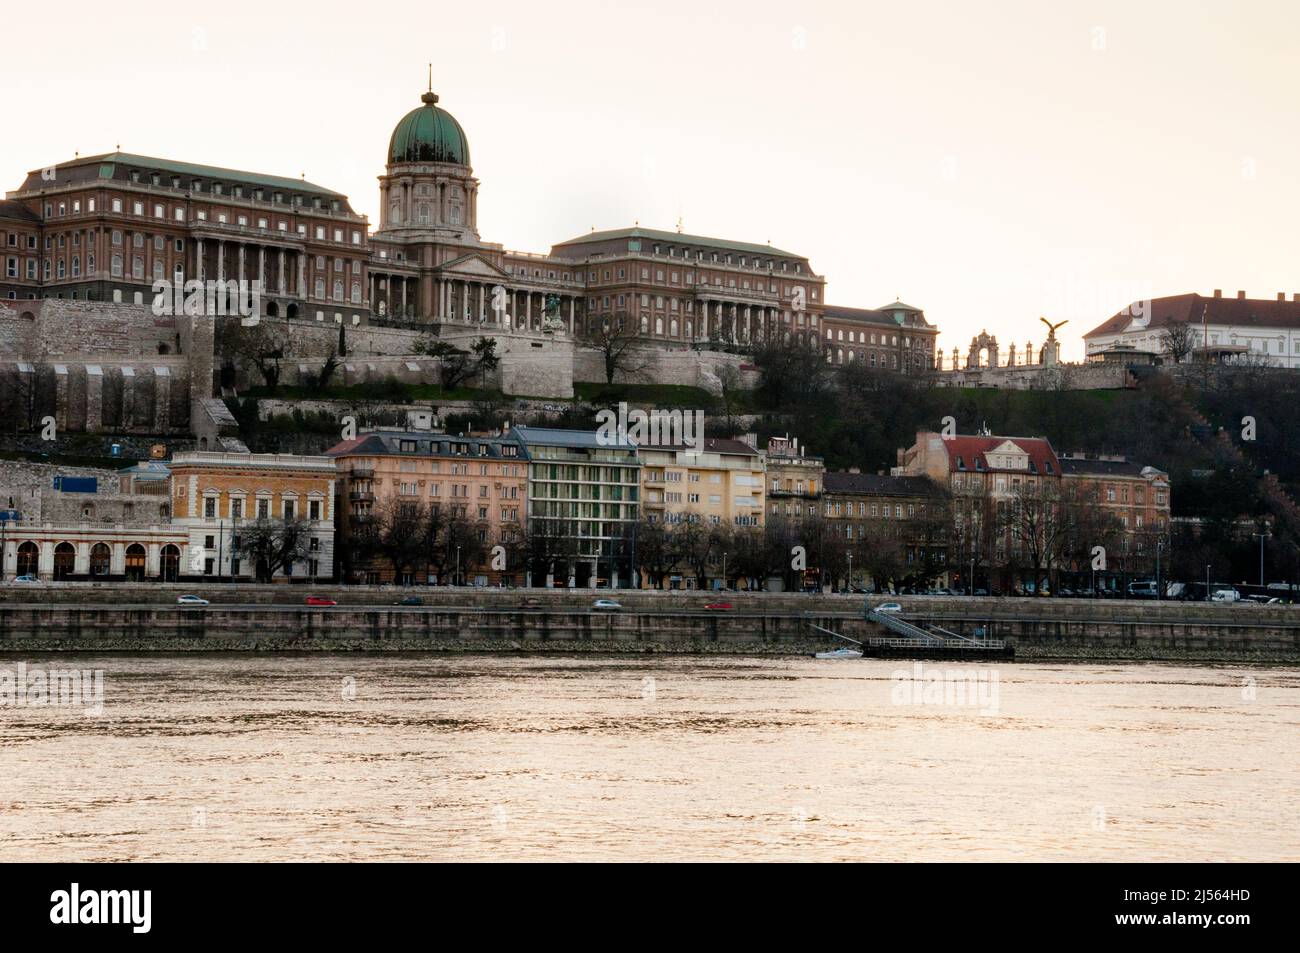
272, 545
615, 339
1178, 339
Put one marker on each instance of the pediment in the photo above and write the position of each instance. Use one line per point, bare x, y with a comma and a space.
471, 266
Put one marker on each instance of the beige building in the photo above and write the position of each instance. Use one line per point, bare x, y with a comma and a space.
214, 494
719, 485
794, 479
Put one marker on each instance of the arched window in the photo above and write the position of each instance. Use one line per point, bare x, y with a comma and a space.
320, 288
100, 559
29, 559
672, 328
338, 289
659, 326
65, 560
135, 562
171, 563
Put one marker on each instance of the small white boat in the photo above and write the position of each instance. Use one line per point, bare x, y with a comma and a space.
839, 653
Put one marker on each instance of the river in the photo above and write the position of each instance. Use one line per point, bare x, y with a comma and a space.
504, 757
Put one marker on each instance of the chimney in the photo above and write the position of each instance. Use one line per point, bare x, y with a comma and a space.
1241, 296
1218, 292
1281, 296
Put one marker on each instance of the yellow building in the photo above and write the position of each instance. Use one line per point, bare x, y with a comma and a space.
215, 495
720, 485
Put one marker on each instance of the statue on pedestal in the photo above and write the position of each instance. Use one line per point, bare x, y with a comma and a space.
1050, 353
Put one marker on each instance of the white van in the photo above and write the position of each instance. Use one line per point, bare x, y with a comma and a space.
1226, 595
1142, 590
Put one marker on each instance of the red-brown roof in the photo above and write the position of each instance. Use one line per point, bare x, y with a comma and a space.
1193, 308
967, 454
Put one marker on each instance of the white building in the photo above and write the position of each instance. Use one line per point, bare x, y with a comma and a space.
1224, 326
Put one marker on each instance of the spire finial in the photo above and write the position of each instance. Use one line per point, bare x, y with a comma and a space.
430, 97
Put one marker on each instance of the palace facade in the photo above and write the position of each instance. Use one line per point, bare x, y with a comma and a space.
106, 227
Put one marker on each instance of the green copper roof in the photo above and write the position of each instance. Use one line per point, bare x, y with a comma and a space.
676, 238
189, 170
429, 134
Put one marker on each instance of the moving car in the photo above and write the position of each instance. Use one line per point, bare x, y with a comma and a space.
409, 601
889, 607
719, 606
189, 600
320, 601
25, 578
1142, 590
606, 605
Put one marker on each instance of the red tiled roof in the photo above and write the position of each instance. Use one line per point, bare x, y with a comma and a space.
972, 450
1193, 308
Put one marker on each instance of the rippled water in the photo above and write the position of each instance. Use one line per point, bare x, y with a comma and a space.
499, 758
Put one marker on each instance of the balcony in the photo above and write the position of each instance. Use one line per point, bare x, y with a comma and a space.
361, 496
362, 473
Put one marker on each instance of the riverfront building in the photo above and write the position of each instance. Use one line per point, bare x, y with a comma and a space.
215, 496
467, 493
793, 479
720, 485
583, 506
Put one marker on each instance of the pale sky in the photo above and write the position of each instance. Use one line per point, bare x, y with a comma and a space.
988, 162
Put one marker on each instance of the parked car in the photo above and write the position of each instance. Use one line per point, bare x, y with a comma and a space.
719, 606
188, 600
320, 601
409, 601
888, 607
26, 578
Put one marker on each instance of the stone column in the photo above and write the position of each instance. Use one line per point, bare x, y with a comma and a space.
301, 290
528, 309
199, 259
221, 260
403, 281
279, 278
261, 265
241, 261
482, 303
572, 302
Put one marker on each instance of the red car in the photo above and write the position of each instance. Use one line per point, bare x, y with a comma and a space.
320, 601
720, 606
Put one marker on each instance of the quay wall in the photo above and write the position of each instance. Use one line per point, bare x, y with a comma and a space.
271, 618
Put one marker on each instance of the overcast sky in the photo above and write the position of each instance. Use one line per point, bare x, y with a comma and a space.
988, 162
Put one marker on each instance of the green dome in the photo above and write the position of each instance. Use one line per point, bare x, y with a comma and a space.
429, 134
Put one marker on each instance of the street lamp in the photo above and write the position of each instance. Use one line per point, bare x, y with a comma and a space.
455, 579
1207, 582
1262, 536
1160, 589
849, 553
724, 571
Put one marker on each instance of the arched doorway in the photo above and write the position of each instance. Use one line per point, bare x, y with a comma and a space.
135, 562
65, 560
171, 563
101, 557
29, 559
